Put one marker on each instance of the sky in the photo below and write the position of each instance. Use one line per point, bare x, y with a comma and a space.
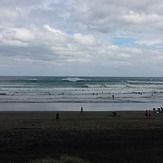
81, 37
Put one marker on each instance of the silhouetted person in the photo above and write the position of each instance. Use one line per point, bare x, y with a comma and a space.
81, 110
158, 109
149, 114
146, 113
114, 113
161, 109
57, 115
112, 96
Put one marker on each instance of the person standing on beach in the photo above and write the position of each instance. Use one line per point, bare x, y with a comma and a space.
57, 116
81, 110
149, 113
146, 113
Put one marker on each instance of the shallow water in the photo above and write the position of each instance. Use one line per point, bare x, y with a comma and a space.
77, 106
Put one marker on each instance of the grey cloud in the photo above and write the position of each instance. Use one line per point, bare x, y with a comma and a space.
80, 33
115, 15
7, 3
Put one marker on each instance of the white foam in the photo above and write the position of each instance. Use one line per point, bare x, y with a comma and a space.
145, 82
74, 79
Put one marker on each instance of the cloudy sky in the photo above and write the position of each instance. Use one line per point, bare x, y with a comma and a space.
81, 37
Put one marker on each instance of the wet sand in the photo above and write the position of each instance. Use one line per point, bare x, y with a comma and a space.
98, 137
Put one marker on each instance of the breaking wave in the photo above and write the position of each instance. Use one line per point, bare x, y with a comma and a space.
73, 79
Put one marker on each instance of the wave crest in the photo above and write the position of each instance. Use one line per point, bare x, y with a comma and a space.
74, 79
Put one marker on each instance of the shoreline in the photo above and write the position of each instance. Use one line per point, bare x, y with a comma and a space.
77, 106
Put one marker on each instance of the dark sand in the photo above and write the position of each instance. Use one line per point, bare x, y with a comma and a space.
97, 137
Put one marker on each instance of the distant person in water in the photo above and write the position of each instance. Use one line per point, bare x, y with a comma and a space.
112, 96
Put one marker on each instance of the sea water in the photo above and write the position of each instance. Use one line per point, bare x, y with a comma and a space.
69, 93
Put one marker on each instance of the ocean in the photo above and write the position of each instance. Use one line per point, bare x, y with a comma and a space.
70, 93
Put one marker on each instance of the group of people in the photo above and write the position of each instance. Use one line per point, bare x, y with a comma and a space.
158, 110
147, 113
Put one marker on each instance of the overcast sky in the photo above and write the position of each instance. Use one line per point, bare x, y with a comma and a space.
81, 37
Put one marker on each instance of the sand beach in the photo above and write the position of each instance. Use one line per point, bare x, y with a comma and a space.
96, 137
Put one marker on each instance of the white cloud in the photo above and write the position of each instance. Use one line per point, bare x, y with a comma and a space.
21, 34
84, 39
136, 18
9, 14
55, 31
16, 36
150, 42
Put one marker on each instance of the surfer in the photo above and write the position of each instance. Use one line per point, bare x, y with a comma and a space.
112, 96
